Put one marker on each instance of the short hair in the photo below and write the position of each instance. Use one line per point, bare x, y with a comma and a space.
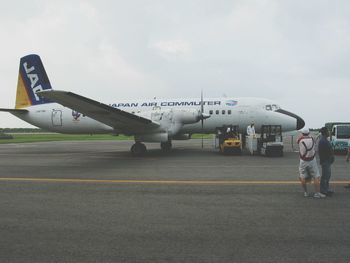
324, 131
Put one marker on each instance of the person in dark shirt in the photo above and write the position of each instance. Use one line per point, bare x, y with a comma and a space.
326, 155
347, 159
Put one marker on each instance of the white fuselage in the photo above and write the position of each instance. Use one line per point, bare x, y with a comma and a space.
222, 111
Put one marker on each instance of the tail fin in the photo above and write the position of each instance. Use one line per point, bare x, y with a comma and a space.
31, 79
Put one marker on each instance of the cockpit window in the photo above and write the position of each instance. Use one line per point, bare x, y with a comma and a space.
272, 107
275, 107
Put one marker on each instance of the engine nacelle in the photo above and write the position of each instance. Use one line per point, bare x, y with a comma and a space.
187, 116
154, 137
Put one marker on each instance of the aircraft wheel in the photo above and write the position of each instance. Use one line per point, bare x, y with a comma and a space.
166, 146
138, 149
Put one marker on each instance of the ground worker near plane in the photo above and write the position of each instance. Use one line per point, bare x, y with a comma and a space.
325, 152
308, 165
251, 134
251, 129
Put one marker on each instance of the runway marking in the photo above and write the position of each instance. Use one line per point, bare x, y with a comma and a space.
182, 182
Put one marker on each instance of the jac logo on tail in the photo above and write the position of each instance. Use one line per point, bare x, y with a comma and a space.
33, 79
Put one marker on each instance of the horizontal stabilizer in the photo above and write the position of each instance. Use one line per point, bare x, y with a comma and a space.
14, 110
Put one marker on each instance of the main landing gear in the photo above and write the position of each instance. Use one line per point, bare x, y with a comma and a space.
138, 149
166, 146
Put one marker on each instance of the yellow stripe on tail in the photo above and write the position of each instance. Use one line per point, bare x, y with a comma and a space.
22, 98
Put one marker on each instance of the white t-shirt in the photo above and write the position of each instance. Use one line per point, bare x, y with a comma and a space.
250, 130
306, 148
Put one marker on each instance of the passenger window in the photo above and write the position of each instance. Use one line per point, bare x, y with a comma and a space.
229, 112
274, 107
217, 112
268, 107
223, 112
211, 112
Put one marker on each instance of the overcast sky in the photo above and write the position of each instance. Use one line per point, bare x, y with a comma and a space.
294, 52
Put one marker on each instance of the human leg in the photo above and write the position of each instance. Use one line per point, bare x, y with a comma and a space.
302, 174
312, 168
318, 194
303, 184
326, 175
317, 184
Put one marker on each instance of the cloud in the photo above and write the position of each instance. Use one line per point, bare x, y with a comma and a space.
172, 49
284, 50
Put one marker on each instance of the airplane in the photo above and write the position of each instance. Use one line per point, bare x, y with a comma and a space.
154, 120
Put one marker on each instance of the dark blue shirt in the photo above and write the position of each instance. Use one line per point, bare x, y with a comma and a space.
325, 150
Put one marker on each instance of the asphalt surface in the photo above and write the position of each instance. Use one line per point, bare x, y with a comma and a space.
94, 202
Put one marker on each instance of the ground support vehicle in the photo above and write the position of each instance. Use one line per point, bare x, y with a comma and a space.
270, 142
230, 140
339, 136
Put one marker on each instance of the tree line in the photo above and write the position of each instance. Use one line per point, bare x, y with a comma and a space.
21, 130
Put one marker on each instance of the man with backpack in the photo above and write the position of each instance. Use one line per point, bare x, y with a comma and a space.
308, 166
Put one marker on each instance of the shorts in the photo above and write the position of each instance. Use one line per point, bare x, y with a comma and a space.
308, 169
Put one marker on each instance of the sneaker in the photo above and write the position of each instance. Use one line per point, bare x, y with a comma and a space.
306, 194
319, 195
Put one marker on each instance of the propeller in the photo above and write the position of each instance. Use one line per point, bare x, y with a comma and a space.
203, 116
202, 119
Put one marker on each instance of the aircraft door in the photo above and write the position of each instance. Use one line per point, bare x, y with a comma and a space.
56, 118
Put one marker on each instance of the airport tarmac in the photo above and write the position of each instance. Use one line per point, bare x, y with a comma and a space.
92, 201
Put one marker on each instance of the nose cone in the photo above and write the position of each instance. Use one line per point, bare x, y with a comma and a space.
300, 121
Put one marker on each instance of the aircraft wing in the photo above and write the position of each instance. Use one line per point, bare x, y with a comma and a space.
120, 120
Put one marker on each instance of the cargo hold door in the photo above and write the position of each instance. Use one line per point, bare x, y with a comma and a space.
56, 118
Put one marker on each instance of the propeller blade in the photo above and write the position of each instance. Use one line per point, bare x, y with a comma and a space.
202, 132
202, 111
